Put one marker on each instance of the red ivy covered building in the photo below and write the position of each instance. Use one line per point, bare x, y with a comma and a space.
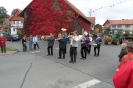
49, 16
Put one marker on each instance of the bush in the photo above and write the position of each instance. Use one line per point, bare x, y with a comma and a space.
21, 35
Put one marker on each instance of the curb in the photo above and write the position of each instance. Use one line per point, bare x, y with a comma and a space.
8, 53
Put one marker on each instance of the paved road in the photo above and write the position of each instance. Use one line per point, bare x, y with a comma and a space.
34, 69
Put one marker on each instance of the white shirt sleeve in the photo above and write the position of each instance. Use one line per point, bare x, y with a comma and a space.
34, 40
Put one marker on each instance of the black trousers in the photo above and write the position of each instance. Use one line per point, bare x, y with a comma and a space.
84, 52
24, 48
34, 46
89, 49
50, 48
73, 53
37, 45
3, 49
65, 48
61, 51
97, 48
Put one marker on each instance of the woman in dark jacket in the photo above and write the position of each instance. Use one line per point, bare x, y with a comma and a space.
123, 51
24, 44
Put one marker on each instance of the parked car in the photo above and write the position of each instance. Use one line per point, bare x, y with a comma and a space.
13, 37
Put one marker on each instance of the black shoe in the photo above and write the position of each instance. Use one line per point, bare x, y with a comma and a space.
51, 55
74, 61
63, 58
84, 58
81, 58
70, 61
59, 58
48, 55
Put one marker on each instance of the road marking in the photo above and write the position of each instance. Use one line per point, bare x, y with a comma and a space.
88, 84
38, 51
32, 52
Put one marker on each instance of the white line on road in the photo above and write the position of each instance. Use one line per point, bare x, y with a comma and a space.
38, 51
56, 48
32, 52
88, 84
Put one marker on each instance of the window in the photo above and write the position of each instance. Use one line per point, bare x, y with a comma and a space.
119, 26
127, 26
22, 22
13, 22
113, 26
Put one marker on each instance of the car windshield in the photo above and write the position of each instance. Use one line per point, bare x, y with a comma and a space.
15, 35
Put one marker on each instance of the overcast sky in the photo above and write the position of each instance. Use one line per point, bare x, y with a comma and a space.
122, 10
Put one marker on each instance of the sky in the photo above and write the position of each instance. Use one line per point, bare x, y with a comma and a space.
115, 9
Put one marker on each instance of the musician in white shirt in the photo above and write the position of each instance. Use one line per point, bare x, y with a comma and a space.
74, 46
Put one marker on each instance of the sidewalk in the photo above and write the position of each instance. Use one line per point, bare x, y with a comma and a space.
7, 53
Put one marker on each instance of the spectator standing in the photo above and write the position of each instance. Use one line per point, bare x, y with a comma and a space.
35, 41
30, 42
3, 43
50, 44
128, 56
123, 51
123, 78
24, 44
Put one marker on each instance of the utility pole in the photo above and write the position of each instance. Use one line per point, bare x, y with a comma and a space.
22, 5
90, 12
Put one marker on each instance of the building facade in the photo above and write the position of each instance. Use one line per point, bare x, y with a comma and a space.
121, 25
43, 17
16, 22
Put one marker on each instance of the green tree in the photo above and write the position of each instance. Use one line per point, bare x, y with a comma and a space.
107, 31
98, 26
3, 14
13, 11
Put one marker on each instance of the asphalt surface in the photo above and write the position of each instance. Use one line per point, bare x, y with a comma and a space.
34, 69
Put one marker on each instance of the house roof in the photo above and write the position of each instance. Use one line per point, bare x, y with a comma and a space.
15, 16
91, 19
71, 5
77, 10
119, 22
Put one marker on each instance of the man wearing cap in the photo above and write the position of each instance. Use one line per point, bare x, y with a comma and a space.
74, 43
3, 43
